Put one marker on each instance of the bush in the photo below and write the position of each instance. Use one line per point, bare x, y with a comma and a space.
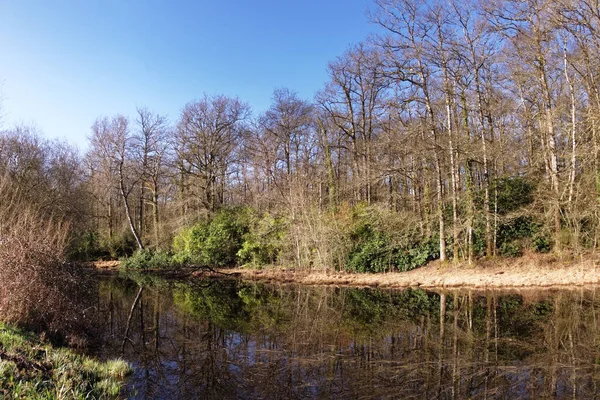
149, 259
372, 250
38, 289
188, 241
520, 233
417, 255
517, 228
85, 246
510, 249
119, 245
213, 243
379, 244
90, 245
513, 193
541, 243
264, 241
361, 239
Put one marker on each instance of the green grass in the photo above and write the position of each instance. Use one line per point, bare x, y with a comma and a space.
30, 369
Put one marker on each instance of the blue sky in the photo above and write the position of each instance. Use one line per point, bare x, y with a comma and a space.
64, 63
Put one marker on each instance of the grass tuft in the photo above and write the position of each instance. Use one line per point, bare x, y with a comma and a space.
32, 369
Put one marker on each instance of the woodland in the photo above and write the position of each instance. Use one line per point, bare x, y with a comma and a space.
466, 130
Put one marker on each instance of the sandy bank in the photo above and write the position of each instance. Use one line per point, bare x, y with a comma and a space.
108, 265
530, 271
526, 272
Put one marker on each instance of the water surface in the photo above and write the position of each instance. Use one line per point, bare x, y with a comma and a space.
231, 339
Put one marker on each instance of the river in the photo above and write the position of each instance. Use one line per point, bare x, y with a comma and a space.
229, 339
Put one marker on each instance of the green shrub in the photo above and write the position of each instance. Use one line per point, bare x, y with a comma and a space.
90, 245
372, 251
188, 244
264, 241
514, 193
541, 243
119, 245
417, 255
379, 243
510, 249
213, 243
517, 228
517, 234
85, 246
149, 259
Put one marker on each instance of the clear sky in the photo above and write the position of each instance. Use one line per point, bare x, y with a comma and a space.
63, 63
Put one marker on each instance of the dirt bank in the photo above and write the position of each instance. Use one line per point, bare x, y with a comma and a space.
526, 272
530, 271
103, 265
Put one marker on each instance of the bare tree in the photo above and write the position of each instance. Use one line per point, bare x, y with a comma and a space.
111, 143
531, 34
407, 50
151, 152
208, 135
354, 99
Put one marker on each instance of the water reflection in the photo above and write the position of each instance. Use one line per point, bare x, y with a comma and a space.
229, 339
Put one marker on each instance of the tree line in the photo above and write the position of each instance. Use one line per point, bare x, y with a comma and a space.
465, 129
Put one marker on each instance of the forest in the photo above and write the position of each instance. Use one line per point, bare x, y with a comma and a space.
466, 130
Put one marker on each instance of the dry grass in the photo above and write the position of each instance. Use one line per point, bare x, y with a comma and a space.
530, 271
105, 265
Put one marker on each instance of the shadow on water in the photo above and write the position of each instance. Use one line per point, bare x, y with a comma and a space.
235, 339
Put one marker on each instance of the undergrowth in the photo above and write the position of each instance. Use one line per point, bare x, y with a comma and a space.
150, 260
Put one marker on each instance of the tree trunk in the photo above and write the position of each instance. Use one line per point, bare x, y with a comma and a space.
140, 221
448, 100
551, 147
155, 218
125, 196
573, 132
486, 174
438, 168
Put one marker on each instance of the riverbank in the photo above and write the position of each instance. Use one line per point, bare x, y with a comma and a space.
30, 368
530, 271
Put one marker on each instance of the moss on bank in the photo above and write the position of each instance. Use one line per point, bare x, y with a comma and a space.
32, 369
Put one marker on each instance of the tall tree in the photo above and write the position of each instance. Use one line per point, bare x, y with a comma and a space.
354, 99
151, 151
407, 50
111, 142
531, 36
209, 132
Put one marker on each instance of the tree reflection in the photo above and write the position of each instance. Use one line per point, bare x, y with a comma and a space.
229, 339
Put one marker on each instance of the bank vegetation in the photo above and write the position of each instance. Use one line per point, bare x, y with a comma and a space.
464, 131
